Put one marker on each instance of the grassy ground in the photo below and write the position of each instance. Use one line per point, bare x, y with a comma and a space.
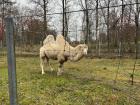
87, 82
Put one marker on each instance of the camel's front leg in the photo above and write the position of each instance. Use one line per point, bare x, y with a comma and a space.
42, 65
60, 69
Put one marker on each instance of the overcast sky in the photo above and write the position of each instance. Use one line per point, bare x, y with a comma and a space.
56, 20
22, 2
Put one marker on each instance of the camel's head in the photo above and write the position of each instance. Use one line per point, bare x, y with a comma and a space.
83, 48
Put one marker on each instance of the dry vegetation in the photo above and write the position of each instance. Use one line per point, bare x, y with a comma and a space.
87, 82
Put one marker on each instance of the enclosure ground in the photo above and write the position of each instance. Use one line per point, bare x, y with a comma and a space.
87, 82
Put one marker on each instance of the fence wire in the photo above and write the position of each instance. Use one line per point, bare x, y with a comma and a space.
81, 79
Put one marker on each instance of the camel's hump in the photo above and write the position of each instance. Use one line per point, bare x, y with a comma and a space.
49, 39
61, 40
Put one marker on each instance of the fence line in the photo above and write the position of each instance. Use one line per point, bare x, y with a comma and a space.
81, 10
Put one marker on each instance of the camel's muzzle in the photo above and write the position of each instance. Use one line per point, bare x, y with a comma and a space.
85, 51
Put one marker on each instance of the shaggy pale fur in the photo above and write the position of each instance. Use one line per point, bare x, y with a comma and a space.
61, 51
49, 39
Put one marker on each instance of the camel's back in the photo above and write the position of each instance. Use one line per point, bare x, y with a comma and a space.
52, 50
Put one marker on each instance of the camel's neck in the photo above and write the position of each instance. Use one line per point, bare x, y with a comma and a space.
77, 55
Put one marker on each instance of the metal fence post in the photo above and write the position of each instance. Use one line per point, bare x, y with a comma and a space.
11, 60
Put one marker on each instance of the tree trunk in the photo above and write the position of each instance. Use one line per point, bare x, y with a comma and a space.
87, 24
108, 35
45, 17
97, 30
63, 2
136, 40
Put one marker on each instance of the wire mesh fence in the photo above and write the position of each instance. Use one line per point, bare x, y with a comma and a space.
104, 76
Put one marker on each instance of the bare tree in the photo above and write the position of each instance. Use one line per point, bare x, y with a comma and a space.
97, 27
85, 24
7, 8
43, 4
66, 16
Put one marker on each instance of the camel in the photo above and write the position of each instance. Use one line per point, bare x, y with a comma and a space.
49, 39
61, 51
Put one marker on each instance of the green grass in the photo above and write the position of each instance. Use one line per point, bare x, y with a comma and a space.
87, 82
